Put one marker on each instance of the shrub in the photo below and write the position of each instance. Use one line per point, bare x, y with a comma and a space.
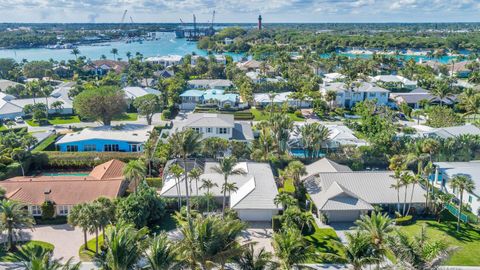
402, 221
155, 182
298, 114
276, 223
81, 160
167, 113
48, 210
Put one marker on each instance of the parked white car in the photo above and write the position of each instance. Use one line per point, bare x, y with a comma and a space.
19, 119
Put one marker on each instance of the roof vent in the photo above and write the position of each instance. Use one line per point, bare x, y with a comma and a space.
47, 191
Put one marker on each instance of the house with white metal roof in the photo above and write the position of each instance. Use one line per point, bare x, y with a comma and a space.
394, 82
343, 196
4, 84
133, 92
211, 97
446, 132
254, 199
123, 138
166, 61
216, 125
333, 77
359, 91
264, 99
210, 84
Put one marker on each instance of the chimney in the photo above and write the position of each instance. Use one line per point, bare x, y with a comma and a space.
46, 193
259, 22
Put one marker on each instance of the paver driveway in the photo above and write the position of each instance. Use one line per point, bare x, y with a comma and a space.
260, 233
66, 239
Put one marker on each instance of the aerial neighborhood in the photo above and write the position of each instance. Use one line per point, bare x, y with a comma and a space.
272, 147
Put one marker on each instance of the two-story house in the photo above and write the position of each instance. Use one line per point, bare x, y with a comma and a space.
358, 92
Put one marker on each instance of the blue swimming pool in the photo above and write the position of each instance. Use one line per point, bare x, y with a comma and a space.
300, 153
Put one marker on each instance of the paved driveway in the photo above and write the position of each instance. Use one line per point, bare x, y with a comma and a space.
66, 239
260, 233
341, 228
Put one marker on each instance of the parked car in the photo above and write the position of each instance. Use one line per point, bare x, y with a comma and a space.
19, 119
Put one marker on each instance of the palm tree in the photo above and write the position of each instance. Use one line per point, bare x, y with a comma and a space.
14, 215
460, 184
209, 241
37, 257
208, 184
419, 253
161, 254
135, 171
124, 246
195, 174
442, 91
186, 143
78, 217
291, 248
114, 51
105, 212
229, 187
32, 89
285, 199
312, 136
377, 226
254, 260
75, 52
414, 180
177, 172
295, 170
281, 125
330, 97
471, 105
227, 168
129, 55
46, 91
358, 251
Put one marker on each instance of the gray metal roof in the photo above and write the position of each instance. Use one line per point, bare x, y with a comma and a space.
471, 169
337, 197
209, 120
256, 189
242, 131
324, 165
372, 187
362, 87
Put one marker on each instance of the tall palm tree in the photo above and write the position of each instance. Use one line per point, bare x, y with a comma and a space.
281, 125
78, 217
330, 97
377, 226
208, 184
185, 143
229, 188
32, 89
129, 55
177, 171
295, 170
358, 251
471, 105
254, 260
14, 215
414, 180
36, 257
195, 174
442, 91
209, 242
135, 171
460, 184
227, 168
312, 136
46, 91
75, 52
161, 254
124, 247
114, 51
291, 248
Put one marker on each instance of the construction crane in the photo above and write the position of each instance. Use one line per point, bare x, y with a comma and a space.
123, 16
131, 20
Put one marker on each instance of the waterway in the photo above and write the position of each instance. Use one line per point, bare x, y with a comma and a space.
166, 44
444, 59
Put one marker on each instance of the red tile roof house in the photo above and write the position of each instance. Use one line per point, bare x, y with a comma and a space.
105, 180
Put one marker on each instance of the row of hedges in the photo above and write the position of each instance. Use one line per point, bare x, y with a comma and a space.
82, 160
402, 221
245, 115
155, 182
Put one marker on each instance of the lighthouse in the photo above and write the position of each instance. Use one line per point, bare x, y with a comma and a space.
259, 22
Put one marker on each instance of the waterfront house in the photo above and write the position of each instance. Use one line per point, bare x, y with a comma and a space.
444, 171
219, 58
102, 67
210, 97
341, 195
254, 65
256, 77
216, 125
123, 138
254, 199
210, 84
393, 82
264, 99
165, 61
459, 69
360, 91
67, 190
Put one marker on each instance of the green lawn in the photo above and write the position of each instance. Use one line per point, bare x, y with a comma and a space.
322, 239
87, 254
260, 115
2, 128
288, 186
62, 120
467, 240
127, 117
6, 256
46, 143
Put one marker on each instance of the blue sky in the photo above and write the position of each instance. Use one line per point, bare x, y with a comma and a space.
241, 10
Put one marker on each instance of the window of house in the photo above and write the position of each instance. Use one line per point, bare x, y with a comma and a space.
72, 148
36, 210
134, 148
90, 147
470, 199
197, 129
111, 148
209, 130
371, 94
63, 210
222, 131
384, 94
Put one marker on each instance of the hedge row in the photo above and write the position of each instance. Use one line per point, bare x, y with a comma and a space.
155, 182
402, 221
82, 160
243, 115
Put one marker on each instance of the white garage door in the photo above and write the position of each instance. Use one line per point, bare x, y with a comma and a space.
256, 215
343, 216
